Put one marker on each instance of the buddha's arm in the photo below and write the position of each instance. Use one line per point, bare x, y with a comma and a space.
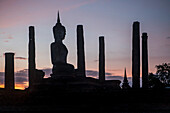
52, 53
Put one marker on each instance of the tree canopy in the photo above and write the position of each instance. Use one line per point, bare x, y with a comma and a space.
162, 77
163, 72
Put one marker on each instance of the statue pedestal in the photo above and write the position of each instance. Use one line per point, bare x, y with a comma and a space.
63, 68
62, 76
63, 71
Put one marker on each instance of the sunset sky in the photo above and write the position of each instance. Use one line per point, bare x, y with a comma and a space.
112, 19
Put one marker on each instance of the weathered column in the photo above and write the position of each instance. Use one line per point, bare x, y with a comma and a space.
144, 61
9, 71
31, 59
136, 56
101, 59
80, 52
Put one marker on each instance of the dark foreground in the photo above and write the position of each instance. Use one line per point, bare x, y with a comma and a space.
116, 101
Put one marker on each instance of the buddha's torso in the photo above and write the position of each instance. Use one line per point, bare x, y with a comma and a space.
59, 53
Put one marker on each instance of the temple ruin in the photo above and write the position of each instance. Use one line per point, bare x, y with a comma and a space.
65, 77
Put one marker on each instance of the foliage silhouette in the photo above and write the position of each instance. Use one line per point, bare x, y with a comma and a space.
154, 82
163, 72
162, 77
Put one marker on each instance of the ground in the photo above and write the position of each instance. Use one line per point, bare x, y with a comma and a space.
115, 101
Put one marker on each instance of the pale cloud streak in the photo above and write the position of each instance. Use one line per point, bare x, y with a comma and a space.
27, 12
5, 37
21, 77
78, 4
2, 33
20, 58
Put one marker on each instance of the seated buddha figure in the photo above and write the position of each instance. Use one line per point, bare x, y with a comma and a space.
59, 51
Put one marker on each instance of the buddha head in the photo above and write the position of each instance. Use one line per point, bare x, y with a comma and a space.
59, 31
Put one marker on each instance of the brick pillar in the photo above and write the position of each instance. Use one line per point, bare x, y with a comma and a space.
144, 61
101, 59
9, 71
80, 52
136, 56
31, 62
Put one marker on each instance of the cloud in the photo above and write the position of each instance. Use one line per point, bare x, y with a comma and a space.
6, 41
10, 37
108, 76
47, 71
21, 80
117, 77
95, 74
21, 77
7, 38
91, 73
113, 77
2, 33
1, 74
96, 60
1, 78
22, 73
108, 73
78, 5
115, 70
21, 58
168, 37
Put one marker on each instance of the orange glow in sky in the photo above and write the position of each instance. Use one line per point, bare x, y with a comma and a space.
22, 86
18, 86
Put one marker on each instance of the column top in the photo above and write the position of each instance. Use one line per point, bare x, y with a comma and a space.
9, 53
144, 35
101, 37
136, 22
79, 25
31, 27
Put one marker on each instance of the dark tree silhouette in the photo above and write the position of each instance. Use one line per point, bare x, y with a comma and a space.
163, 72
154, 81
162, 77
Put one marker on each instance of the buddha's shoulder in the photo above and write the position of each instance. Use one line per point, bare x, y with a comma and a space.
53, 44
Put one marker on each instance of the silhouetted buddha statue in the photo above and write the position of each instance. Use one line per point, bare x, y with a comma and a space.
59, 51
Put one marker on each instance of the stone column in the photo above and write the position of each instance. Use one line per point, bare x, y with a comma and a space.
80, 52
144, 61
101, 59
31, 59
9, 71
136, 56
